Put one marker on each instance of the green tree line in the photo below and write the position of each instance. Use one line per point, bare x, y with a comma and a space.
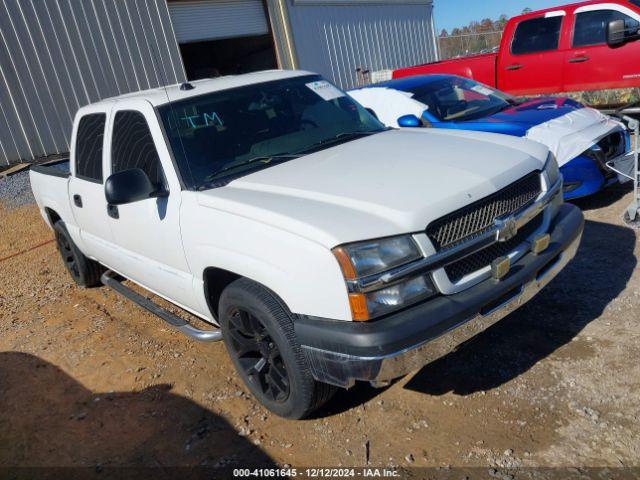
477, 37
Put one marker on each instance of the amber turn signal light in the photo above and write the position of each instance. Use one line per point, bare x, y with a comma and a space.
357, 301
344, 261
358, 304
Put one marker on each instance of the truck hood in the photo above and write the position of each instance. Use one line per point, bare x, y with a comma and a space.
386, 184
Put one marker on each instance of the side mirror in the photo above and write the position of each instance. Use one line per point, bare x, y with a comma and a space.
130, 186
409, 121
616, 33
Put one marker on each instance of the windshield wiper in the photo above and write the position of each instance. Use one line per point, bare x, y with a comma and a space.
265, 159
212, 180
340, 136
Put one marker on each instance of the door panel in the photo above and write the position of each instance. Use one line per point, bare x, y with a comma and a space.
147, 232
86, 189
91, 217
591, 64
148, 235
533, 62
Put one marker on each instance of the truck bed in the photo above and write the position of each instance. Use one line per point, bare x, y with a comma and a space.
50, 186
481, 68
57, 168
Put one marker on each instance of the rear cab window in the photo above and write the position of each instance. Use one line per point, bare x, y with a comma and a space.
89, 145
590, 28
132, 146
537, 35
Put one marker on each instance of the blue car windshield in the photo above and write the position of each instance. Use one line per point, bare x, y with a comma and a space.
460, 99
220, 136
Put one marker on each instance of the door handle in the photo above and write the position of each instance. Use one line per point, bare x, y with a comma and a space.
578, 59
112, 211
516, 66
77, 200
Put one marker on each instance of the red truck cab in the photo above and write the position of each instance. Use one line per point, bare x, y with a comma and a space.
556, 50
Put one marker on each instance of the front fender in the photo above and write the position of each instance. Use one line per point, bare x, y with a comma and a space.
304, 274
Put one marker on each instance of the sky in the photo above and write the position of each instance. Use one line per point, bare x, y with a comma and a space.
458, 13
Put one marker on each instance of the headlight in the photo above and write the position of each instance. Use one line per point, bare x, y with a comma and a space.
372, 258
552, 172
551, 169
362, 259
399, 295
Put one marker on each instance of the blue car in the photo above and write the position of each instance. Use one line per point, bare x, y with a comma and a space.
581, 138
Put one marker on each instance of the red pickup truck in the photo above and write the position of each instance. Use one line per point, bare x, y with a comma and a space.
584, 46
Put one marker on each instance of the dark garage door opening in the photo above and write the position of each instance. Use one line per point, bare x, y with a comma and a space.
229, 56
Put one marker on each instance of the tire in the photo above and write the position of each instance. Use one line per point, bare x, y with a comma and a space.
258, 332
84, 271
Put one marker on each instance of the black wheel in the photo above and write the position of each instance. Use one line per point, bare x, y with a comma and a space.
259, 336
84, 271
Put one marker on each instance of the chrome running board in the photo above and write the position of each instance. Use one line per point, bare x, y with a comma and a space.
110, 279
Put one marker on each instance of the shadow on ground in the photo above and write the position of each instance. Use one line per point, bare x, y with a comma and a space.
344, 400
579, 295
603, 198
49, 419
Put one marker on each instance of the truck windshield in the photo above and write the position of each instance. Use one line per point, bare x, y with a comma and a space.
460, 99
223, 135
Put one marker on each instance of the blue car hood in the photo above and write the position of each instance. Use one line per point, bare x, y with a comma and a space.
518, 119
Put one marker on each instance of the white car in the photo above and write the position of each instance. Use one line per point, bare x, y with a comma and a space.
322, 247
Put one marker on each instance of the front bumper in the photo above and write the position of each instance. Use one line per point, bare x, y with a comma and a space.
341, 352
583, 177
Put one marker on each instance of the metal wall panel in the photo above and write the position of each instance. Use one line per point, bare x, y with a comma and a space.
335, 38
57, 55
200, 20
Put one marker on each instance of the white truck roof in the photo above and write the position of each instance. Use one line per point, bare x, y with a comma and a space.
161, 95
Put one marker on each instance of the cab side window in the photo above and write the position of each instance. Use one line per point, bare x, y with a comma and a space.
133, 147
88, 150
591, 27
537, 35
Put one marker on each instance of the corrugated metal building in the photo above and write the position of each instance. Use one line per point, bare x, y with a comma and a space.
57, 55
336, 37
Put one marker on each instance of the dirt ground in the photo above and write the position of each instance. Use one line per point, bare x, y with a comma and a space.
87, 378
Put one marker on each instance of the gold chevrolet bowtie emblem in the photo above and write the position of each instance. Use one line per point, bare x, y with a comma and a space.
507, 228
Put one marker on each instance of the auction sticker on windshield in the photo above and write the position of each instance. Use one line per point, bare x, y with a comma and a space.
481, 89
325, 90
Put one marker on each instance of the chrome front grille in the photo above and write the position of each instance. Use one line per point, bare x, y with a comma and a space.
477, 261
477, 218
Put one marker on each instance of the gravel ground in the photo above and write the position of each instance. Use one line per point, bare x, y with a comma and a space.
90, 379
15, 190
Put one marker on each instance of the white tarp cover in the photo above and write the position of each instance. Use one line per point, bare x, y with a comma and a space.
570, 135
388, 103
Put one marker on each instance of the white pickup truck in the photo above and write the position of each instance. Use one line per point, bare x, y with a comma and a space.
322, 247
